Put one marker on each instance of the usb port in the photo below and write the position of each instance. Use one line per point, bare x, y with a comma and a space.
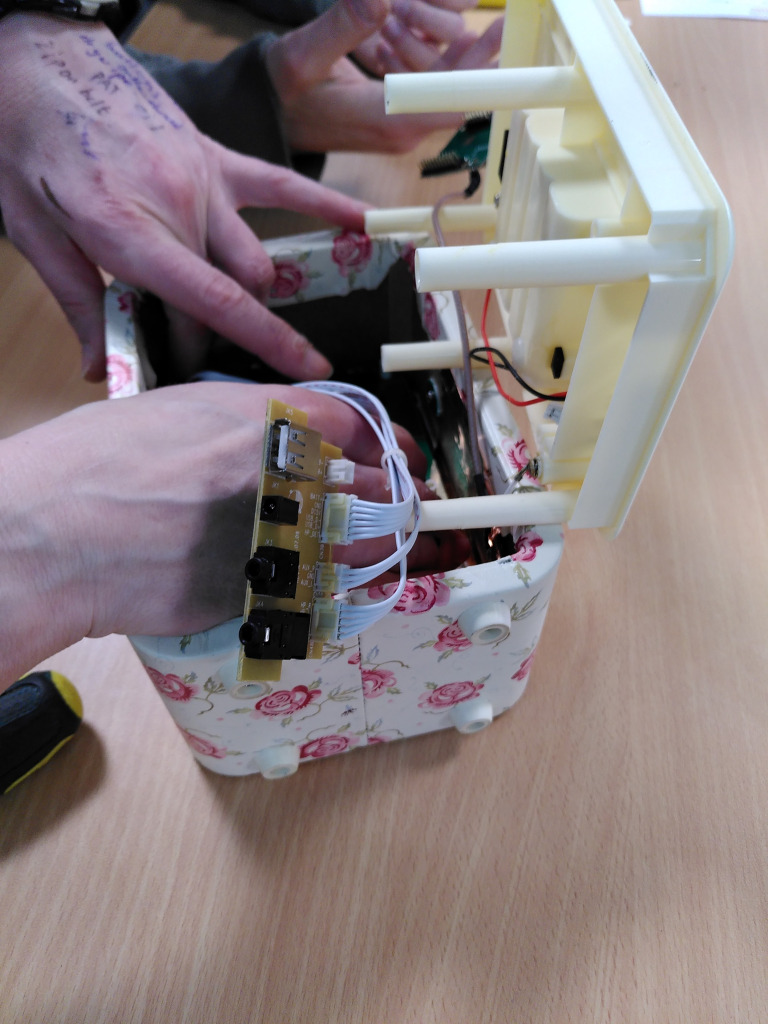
293, 452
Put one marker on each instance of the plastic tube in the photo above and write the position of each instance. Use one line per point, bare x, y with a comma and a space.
540, 508
493, 89
568, 261
474, 217
431, 355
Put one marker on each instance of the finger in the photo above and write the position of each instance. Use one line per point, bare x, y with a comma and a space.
253, 182
454, 52
415, 54
303, 58
436, 23
432, 552
454, 5
372, 484
338, 422
233, 246
440, 552
391, 63
188, 282
484, 50
368, 54
75, 282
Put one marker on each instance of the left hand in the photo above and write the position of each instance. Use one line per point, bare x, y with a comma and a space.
329, 104
100, 168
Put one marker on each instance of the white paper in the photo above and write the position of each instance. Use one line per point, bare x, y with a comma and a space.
705, 9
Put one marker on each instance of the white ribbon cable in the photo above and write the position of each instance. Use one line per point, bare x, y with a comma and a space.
370, 519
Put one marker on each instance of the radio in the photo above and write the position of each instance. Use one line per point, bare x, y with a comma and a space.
607, 244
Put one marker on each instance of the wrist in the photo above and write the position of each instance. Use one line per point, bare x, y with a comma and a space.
41, 599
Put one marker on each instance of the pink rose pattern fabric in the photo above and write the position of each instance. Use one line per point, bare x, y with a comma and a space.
401, 679
452, 639
203, 746
408, 254
120, 374
516, 453
351, 252
525, 667
377, 681
324, 746
431, 319
171, 686
126, 302
449, 695
527, 547
286, 702
290, 279
420, 595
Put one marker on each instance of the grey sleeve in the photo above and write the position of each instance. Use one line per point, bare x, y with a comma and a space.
233, 101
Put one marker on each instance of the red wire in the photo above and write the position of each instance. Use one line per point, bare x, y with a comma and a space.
492, 364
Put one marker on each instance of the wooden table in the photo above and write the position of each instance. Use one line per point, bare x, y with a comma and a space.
599, 854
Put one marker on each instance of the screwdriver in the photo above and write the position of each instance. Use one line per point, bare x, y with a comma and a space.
39, 713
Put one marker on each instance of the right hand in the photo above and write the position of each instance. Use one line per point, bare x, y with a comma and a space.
413, 35
329, 104
100, 168
136, 516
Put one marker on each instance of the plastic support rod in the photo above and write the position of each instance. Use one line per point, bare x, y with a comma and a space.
560, 262
431, 355
532, 507
474, 217
494, 89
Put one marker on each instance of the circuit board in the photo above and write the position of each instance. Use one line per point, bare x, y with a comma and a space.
287, 547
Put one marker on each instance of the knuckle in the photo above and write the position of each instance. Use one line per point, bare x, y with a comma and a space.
222, 295
280, 178
111, 213
293, 70
176, 181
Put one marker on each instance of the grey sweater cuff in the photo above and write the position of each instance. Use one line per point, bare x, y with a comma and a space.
233, 101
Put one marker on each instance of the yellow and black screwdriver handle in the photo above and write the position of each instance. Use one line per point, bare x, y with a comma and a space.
39, 713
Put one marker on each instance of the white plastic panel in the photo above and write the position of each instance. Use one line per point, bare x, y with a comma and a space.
617, 239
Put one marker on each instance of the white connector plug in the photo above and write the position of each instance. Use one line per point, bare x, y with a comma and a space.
330, 577
336, 512
339, 471
324, 624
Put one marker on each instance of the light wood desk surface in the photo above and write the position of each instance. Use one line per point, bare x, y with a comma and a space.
599, 854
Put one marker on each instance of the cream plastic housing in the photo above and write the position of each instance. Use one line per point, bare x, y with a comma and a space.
611, 240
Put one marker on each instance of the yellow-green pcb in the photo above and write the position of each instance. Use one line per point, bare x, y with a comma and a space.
287, 546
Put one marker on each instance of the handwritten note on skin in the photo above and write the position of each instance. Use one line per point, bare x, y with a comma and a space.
705, 9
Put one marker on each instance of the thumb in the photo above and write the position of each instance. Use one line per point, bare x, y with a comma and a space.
301, 59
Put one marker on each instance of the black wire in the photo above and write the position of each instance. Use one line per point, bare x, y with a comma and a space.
478, 353
474, 183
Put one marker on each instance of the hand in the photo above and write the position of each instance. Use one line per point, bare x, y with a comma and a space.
135, 516
412, 36
329, 104
99, 167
